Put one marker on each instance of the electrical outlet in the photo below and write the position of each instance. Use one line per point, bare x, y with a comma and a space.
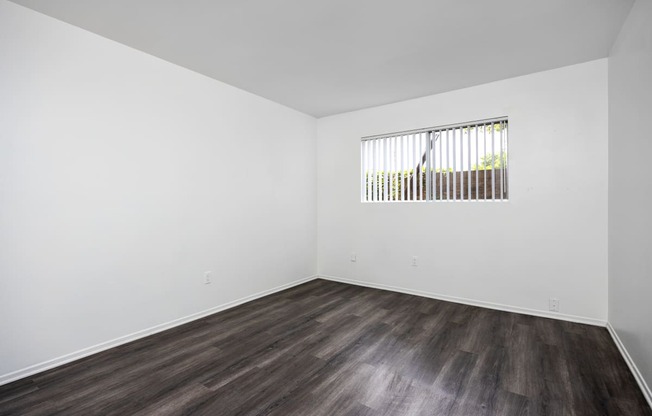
354, 258
414, 260
207, 278
554, 305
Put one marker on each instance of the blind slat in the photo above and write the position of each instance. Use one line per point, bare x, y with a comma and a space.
428, 173
477, 163
442, 163
401, 176
455, 164
493, 163
484, 167
448, 177
468, 166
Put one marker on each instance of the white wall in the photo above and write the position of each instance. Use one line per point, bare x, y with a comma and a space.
549, 240
630, 197
123, 178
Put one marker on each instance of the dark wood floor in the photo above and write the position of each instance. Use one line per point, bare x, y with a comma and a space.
326, 348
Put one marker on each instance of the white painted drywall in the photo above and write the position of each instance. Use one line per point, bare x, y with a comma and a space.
549, 240
630, 196
123, 178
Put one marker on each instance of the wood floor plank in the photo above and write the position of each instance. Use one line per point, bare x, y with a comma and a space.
327, 348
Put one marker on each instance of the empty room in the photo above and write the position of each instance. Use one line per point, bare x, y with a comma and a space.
325, 207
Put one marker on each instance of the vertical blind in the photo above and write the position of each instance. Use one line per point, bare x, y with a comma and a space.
461, 162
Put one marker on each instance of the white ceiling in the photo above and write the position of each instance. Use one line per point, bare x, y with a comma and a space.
331, 56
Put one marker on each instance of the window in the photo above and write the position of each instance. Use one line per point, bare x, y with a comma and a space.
461, 162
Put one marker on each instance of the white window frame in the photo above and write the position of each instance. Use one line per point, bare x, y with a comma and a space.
460, 162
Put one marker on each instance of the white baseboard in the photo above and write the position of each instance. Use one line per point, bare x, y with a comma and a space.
64, 359
472, 302
630, 363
